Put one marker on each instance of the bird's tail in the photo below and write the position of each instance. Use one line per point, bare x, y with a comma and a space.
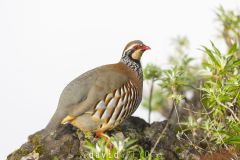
55, 121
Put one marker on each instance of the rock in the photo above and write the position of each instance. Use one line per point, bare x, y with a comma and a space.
67, 143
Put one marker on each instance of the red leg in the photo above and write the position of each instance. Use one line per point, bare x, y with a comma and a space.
99, 134
106, 139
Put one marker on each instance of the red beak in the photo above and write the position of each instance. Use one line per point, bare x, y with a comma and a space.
145, 47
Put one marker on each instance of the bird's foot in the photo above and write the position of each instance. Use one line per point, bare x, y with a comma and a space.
106, 138
67, 119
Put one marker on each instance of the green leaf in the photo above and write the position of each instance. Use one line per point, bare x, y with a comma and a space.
215, 49
233, 140
233, 49
236, 128
211, 56
236, 63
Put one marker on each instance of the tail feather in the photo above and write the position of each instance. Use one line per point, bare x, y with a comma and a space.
55, 121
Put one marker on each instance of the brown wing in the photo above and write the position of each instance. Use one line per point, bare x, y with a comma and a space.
108, 79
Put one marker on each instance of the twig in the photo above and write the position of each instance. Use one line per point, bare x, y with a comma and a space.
198, 112
233, 114
150, 101
226, 37
164, 129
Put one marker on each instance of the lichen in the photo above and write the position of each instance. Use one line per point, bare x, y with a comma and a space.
32, 155
55, 158
38, 149
34, 139
18, 154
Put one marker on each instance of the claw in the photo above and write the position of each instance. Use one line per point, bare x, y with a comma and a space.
100, 134
106, 139
67, 119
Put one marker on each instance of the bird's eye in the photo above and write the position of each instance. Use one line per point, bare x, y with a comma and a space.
137, 46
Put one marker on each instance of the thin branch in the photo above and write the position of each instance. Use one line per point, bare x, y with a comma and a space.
150, 101
198, 112
233, 114
226, 38
164, 129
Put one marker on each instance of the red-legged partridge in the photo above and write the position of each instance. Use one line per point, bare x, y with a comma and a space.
102, 98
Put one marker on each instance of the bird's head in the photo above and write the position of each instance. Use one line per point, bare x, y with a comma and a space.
134, 50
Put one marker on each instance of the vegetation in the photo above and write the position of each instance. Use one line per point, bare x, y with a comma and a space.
201, 99
116, 149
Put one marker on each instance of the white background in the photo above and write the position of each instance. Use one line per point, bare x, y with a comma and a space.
45, 44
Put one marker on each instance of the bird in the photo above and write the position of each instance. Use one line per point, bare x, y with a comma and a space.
102, 98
